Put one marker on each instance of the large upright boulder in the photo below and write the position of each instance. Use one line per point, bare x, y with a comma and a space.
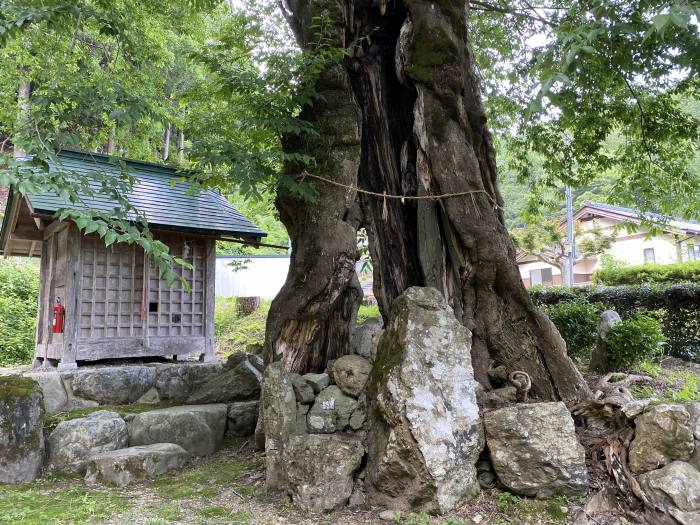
199, 429
21, 429
662, 435
73, 442
534, 450
279, 420
425, 433
320, 469
600, 360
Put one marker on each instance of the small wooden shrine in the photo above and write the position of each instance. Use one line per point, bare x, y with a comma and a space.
115, 305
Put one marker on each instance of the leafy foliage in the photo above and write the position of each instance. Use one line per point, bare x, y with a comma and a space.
619, 78
547, 241
632, 340
675, 306
19, 293
649, 273
98, 75
577, 322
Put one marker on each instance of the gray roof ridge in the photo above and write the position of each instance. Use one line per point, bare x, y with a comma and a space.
639, 214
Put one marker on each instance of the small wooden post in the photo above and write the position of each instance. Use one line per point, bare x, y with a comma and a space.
209, 300
72, 299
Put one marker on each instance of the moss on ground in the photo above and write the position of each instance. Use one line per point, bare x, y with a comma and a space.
203, 480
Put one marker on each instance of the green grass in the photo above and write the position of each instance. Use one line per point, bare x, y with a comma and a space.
235, 333
669, 385
223, 515
685, 387
554, 510
203, 480
57, 504
366, 311
649, 368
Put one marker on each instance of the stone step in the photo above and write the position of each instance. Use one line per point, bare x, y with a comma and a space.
74, 441
128, 465
199, 429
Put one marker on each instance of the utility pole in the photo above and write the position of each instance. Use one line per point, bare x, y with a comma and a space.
570, 247
571, 250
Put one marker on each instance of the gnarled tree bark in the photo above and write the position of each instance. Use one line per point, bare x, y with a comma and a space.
423, 133
309, 320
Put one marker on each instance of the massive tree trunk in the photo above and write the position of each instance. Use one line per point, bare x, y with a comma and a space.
309, 320
423, 133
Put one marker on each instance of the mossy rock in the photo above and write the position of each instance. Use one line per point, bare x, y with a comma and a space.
21, 429
128, 465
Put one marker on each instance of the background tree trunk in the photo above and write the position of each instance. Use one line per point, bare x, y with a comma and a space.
247, 305
309, 320
423, 130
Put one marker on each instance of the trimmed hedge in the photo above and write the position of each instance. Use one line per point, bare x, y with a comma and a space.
675, 306
687, 272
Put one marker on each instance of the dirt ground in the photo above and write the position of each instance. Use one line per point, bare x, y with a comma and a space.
228, 488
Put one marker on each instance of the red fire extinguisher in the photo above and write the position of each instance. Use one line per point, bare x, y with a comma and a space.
59, 315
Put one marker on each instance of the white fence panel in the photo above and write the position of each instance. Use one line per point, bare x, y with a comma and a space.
262, 275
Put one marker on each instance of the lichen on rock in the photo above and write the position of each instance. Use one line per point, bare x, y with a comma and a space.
425, 433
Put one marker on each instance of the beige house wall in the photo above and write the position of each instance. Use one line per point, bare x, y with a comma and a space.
629, 248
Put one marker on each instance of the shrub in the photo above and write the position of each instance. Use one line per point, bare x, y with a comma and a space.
633, 340
19, 293
675, 306
577, 322
649, 273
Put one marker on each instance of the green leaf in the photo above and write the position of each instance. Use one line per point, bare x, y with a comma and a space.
110, 237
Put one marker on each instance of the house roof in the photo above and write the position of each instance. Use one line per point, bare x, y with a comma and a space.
599, 209
160, 193
629, 214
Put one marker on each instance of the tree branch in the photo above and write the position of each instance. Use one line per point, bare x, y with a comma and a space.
486, 6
